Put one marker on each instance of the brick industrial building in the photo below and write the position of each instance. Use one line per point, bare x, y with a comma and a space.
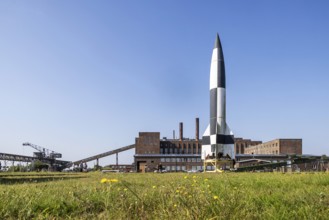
185, 154
173, 154
241, 144
277, 146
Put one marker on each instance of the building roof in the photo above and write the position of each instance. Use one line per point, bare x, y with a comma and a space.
168, 155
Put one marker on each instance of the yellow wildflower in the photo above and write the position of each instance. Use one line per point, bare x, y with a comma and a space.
185, 177
194, 177
215, 197
113, 180
154, 187
177, 191
104, 180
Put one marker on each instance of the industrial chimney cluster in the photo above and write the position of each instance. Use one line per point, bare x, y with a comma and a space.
181, 136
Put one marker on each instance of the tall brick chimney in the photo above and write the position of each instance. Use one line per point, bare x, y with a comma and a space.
181, 131
197, 129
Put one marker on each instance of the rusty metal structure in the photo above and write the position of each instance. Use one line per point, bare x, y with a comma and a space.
54, 164
108, 153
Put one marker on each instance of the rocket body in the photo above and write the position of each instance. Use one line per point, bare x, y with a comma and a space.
218, 138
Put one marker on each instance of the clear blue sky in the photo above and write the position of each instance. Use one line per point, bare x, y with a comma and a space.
84, 77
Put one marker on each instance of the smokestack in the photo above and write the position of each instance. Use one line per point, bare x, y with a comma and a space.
173, 134
181, 131
197, 129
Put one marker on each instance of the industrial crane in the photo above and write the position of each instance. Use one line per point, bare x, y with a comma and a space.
43, 152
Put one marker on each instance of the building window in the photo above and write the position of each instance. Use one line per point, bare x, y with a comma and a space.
173, 159
162, 160
209, 168
183, 167
167, 159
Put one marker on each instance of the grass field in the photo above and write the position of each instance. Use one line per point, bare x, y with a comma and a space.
164, 196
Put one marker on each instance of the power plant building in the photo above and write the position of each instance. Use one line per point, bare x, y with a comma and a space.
241, 144
183, 154
172, 154
277, 146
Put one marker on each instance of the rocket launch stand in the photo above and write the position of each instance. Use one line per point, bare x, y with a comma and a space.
219, 164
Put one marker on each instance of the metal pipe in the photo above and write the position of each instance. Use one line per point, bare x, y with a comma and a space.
117, 160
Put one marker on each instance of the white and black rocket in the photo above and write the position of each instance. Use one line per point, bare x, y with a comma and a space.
218, 139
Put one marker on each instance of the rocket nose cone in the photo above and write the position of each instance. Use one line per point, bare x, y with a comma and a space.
217, 42
219, 48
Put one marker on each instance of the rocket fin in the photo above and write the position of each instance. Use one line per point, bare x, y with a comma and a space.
228, 131
206, 146
207, 132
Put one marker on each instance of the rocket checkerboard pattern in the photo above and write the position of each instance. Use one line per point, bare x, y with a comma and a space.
218, 138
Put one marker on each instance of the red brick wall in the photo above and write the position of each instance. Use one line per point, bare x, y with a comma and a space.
291, 146
148, 143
